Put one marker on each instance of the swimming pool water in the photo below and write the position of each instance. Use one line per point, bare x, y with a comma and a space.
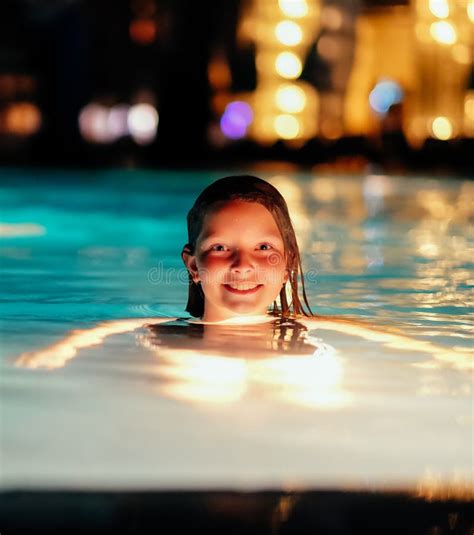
82, 247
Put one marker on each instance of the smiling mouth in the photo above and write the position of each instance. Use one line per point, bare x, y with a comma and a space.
243, 288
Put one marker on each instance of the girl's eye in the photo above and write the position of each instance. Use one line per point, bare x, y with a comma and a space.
266, 245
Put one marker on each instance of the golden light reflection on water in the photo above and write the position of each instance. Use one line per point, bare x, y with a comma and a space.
426, 283
353, 229
284, 370
324, 190
425, 204
313, 381
306, 381
294, 198
271, 362
58, 354
209, 374
436, 203
9, 230
201, 378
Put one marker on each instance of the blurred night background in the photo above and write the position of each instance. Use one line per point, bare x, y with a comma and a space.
328, 84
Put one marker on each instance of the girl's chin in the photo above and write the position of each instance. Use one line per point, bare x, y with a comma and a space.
246, 309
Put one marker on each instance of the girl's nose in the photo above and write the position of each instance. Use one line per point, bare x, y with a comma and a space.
242, 262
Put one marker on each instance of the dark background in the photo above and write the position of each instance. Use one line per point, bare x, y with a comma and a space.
73, 51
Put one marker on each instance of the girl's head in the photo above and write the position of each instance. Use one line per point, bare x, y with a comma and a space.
241, 251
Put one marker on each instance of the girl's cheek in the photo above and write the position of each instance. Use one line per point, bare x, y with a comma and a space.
205, 262
274, 262
210, 270
214, 263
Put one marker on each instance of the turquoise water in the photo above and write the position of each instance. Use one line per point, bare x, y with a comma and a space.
82, 247
398, 253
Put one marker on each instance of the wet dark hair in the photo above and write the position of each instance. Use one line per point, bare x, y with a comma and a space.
250, 189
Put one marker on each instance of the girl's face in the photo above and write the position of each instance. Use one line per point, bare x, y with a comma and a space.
239, 261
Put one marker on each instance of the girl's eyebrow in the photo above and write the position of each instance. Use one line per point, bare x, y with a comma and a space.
216, 238
211, 237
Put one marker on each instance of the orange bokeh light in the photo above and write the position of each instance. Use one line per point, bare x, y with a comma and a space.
143, 31
22, 118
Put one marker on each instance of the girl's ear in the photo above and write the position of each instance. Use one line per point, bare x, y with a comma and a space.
190, 263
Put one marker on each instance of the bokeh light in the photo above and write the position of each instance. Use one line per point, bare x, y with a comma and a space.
287, 126
470, 10
289, 33
443, 32
143, 31
294, 8
143, 123
290, 98
439, 8
442, 128
219, 75
93, 123
22, 118
117, 121
236, 119
288, 65
385, 94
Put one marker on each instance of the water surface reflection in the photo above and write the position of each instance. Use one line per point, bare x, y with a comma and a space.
222, 363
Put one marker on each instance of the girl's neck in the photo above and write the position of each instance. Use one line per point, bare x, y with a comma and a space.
213, 314
239, 320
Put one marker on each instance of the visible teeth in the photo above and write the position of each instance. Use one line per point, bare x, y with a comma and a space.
243, 286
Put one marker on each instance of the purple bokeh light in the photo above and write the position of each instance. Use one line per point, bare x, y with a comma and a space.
235, 120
